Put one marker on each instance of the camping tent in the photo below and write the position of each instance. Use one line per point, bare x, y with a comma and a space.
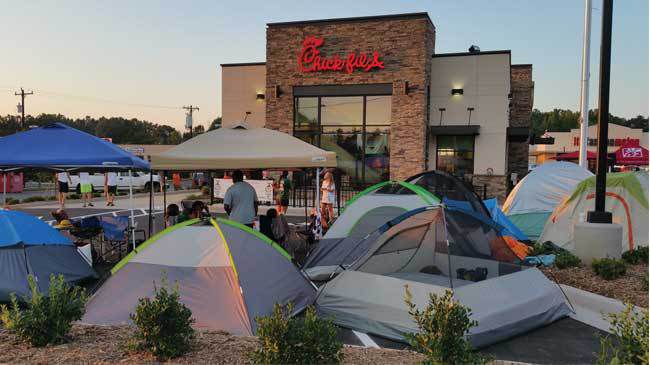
363, 214
450, 189
431, 250
626, 199
533, 199
29, 246
227, 274
242, 147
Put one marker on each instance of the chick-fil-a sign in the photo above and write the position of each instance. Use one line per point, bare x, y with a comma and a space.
311, 60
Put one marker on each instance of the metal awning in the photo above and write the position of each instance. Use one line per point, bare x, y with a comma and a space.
454, 130
518, 134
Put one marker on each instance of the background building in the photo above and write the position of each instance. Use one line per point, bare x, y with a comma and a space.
373, 90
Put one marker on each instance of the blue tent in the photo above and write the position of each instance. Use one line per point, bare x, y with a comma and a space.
59, 146
29, 246
498, 216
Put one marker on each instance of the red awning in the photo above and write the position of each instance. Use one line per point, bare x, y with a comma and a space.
632, 154
574, 156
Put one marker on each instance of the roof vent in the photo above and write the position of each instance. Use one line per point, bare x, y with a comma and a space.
474, 49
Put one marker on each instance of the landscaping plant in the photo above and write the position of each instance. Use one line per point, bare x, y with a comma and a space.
443, 328
638, 255
630, 328
565, 259
45, 319
164, 324
608, 269
296, 340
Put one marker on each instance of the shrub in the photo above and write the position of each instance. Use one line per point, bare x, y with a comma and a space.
565, 259
630, 328
296, 340
45, 319
542, 249
74, 196
50, 197
444, 325
164, 324
608, 269
636, 256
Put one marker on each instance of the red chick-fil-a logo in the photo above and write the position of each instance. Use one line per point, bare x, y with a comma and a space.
310, 59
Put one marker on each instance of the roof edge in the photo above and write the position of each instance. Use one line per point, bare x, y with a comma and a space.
416, 15
460, 54
242, 64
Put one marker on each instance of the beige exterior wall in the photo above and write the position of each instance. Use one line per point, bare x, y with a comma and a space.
239, 88
564, 142
485, 80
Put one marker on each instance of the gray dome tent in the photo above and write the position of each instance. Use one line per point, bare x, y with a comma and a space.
227, 274
431, 250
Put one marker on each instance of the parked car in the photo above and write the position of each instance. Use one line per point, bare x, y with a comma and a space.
140, 181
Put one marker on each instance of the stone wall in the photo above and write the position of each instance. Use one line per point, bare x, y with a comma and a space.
405, 45
521, 108
496, 186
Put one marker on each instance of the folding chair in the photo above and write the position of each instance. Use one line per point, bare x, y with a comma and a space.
117, 233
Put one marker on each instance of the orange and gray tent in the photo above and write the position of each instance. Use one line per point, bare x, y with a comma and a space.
227, 275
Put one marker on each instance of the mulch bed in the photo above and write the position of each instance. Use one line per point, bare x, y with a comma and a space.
629, 288
107, 345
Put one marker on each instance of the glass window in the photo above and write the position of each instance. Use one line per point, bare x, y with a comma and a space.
455, 155
341, 110
336, 123
306, 114
378, 110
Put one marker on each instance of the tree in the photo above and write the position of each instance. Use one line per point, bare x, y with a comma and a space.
216, 124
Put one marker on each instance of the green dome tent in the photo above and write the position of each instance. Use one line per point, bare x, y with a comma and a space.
227, 274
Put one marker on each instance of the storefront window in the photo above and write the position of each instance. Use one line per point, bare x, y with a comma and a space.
338, 124
455, 155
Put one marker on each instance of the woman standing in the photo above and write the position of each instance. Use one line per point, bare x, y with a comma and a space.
86, 189
327, 199
63, 186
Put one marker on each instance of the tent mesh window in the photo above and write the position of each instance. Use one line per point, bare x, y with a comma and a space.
450, 189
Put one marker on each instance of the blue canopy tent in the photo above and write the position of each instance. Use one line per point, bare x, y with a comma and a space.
62, 148
29, 246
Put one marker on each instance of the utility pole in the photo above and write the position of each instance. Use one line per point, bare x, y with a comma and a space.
599, 215
584, 89
22, 94
188, 118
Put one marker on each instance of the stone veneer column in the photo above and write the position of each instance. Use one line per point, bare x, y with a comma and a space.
405, 45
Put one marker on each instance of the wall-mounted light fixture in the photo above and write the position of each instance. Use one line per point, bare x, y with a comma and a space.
259, 96
442, 110
456, 91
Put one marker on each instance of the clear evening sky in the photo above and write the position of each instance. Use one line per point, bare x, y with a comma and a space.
145, 59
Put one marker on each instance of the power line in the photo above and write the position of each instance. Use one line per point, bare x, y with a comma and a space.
22, 94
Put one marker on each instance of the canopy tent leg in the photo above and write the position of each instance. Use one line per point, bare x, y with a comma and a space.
131, 208
150, 202
164, 199
304, 189
317, 204
4, 189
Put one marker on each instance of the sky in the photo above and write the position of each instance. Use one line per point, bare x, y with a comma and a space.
145, 59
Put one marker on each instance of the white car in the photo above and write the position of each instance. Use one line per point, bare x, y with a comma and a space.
140, 181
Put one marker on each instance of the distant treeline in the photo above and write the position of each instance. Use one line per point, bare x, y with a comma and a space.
120, 130
563, 120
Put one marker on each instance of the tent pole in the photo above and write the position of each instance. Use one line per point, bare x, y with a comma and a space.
131, 208
4, 189
165, 199
150, 201
304, 189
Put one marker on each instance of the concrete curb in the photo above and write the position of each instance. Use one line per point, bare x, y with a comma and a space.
590, 308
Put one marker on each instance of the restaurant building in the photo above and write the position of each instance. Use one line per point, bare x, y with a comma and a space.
373, 90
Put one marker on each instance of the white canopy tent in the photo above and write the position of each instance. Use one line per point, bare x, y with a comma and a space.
241, 147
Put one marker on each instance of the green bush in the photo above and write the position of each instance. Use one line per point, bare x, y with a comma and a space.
45, 319
608, 269
35, 198
630, 328
565, 259
542, 249
296, 340
12, 201
636, 256
50, 197
443, 327
74, 196
164, 324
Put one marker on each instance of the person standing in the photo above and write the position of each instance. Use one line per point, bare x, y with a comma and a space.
240, 201
328, 197
110, 187
86, 188
63, 183
285, 192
